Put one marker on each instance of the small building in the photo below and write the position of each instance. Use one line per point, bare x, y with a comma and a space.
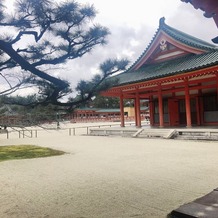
178, 75
107, 114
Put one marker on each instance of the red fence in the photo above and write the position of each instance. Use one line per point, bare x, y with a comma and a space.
102, 119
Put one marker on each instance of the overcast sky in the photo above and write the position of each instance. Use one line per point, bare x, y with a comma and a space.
132, 25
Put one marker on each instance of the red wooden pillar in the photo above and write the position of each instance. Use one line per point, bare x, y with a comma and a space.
187, 104
136, 117
122, 111
160, 106
151, 110
138, 112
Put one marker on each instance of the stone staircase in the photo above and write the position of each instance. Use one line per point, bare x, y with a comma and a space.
158, 133
182, 134
197, 134
136, 133
112, 132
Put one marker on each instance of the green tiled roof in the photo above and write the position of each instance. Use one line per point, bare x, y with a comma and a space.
168, 68
187, 39
100, 110
86, 109
176, 66
108, 110
178, 36
116, 110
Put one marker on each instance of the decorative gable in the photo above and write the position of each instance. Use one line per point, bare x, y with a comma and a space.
165, 51
169, 43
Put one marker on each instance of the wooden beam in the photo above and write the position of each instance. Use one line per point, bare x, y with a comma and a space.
197, 73
131, 93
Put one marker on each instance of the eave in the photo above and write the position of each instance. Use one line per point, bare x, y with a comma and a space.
209, 74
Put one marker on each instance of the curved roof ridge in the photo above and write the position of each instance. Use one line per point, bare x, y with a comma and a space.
179, 36
187, 38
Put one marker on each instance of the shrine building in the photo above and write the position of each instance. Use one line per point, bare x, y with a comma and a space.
178, 74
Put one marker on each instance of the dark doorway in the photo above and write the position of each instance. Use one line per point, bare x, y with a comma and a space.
193, 111
173, 105
182, 111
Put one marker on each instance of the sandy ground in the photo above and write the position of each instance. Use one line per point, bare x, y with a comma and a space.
106, 177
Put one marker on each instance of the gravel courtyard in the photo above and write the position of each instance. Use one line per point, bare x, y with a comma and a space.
106, 177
